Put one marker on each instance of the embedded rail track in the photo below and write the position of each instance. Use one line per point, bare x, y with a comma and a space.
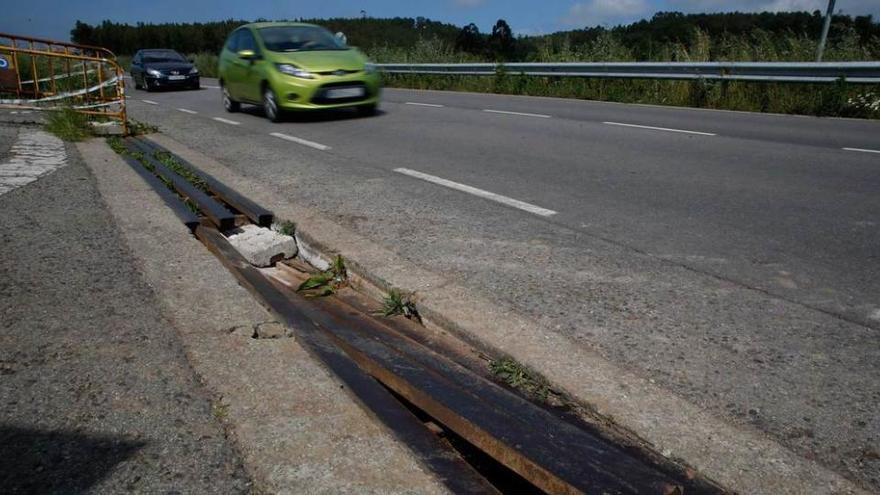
476, 435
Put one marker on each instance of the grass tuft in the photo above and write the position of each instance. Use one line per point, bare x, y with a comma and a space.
520, 377
68, 125
138, 128
402, 304
285, 227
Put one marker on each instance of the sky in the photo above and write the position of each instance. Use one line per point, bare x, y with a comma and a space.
55, 18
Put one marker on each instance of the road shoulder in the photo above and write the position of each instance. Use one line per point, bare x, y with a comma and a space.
737, 456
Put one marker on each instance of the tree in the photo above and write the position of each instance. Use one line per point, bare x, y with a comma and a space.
501, 42
470, 40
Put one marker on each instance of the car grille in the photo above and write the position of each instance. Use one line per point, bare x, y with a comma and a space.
338, 72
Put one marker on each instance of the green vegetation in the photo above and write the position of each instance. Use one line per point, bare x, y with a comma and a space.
68, 124
117, 144
400, 303
668, 36
286, 227
326, 282
138, 128
520, 377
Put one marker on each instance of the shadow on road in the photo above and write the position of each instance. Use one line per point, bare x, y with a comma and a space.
37, 461
315, 116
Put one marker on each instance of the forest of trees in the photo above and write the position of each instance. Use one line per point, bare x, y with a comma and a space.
641, 39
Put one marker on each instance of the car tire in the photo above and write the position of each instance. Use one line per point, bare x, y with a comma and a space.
137, 85
270, 106
367, 110
229, 104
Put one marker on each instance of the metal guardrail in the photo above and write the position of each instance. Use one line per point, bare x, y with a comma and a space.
794, 72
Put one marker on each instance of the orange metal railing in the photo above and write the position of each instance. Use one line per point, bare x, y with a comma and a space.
43, 74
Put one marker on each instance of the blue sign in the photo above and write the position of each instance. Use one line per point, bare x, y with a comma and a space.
4, 64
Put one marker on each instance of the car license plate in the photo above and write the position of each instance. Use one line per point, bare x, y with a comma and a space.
337, 93
176, 78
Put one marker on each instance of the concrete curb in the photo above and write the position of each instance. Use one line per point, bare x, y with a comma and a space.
739, 457
297, 428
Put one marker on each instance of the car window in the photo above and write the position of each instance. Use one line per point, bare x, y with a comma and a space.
299, 38
232, 42
158, 56
246, 41
137, 58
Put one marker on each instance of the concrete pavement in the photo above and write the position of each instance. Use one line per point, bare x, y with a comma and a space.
735, 268
96, 394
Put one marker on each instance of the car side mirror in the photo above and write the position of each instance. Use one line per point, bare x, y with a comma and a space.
247, 54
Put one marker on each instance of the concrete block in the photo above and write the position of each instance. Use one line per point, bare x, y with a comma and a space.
261, 245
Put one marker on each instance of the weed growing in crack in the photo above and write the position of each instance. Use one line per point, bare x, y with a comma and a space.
326, 282
285, 227
520, 377
401, 303
138, 128
168, 160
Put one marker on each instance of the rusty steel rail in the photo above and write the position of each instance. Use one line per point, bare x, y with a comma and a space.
401, 381
42, 74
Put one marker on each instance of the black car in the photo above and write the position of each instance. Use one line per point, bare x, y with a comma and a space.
155, 69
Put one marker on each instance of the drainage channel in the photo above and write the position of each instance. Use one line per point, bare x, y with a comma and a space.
474, 434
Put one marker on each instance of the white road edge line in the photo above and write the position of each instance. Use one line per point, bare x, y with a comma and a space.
226, 121
150, 102
863, 150
433, 105
537, 210
522, 114
184, 110
211, 87
304, 142
661, 128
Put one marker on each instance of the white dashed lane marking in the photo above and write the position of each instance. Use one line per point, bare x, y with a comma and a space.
863, 150
226, 121
433, 105
304, 142
521, 114
150, 102
34, 154
667, 129
184, 110
515, 203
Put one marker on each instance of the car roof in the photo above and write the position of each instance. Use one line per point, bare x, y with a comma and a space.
259, 25
159, 50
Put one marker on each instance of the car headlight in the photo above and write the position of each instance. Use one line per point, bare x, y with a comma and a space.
154, 72
193, 71
370, 68
292, 70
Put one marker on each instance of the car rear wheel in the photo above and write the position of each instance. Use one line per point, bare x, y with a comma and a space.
270, 105
229, 104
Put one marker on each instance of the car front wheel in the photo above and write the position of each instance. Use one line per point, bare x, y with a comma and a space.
229, 104
270, 105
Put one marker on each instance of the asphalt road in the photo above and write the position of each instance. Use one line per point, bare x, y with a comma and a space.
731, 257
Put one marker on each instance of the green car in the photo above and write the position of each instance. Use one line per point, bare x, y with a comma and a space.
293, 66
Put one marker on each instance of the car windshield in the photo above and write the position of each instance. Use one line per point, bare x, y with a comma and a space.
299, 39
158, 57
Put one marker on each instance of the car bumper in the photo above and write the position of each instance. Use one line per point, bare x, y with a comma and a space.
164, 82
310, 94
